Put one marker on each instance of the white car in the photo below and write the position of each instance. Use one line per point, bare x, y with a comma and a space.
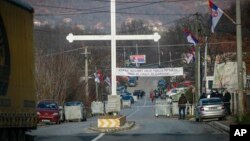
209, 108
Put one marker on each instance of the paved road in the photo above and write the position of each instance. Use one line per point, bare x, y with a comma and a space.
147, 128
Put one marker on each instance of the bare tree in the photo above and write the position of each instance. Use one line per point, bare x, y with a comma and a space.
54, 75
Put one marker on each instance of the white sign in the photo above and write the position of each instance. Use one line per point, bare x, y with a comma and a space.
149, 72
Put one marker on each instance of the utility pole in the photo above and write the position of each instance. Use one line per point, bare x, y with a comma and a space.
239, 60
205, 67
170, 58
136, 49
86, 73
159, 54
136, 63
124, 55
197, 63
96, 86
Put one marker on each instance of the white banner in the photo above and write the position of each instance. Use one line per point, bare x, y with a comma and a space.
149, 72
226, 76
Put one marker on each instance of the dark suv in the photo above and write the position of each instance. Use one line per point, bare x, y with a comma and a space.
48, 111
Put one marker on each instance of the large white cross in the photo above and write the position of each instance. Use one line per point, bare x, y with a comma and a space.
113, 37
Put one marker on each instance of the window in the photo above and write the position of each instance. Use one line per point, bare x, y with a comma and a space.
47, 105
248, 82
210, 84
211, 101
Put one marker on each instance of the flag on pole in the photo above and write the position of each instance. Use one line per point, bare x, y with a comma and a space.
216, 14
97, 80
190, 37
107, 80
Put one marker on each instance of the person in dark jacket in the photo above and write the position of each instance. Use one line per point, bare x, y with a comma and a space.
220, 95
182, 106
203, 95
213, 93
227, 98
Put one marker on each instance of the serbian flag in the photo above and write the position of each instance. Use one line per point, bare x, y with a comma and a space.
216, 14
190, 37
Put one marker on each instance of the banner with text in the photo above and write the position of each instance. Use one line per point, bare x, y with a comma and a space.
149, 72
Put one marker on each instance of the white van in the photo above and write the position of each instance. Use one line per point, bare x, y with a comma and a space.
208, 85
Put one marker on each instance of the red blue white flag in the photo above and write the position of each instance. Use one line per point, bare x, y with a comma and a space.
190, 37
216, 14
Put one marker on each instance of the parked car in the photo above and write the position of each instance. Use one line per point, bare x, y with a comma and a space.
162, 83
132, 82
121, 89
127, 97
75, 110
48, 111
209, 108
126, 93
164, 96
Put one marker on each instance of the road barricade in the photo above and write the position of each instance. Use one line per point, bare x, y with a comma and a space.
163, 108
74, 111
135, 98
97, 107
126, 104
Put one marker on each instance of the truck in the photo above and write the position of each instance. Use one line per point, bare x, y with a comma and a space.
17, 71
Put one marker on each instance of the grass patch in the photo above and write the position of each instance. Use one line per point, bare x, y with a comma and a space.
245, 119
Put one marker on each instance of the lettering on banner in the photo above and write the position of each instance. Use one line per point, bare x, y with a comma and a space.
150, 72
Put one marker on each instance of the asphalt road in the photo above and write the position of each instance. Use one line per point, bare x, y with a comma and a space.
147, 126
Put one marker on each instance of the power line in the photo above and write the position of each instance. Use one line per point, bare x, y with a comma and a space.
142, 46
68, 8
81, 11
108, 1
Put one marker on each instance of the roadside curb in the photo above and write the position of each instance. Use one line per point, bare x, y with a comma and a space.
220, 126
128, 125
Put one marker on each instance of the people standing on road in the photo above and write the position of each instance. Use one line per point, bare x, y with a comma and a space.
152, 95
182, 106
142, 94
227, 98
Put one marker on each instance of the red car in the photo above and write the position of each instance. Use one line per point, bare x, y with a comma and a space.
48, 111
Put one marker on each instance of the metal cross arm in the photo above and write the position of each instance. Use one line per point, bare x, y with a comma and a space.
72, 37
113, 37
